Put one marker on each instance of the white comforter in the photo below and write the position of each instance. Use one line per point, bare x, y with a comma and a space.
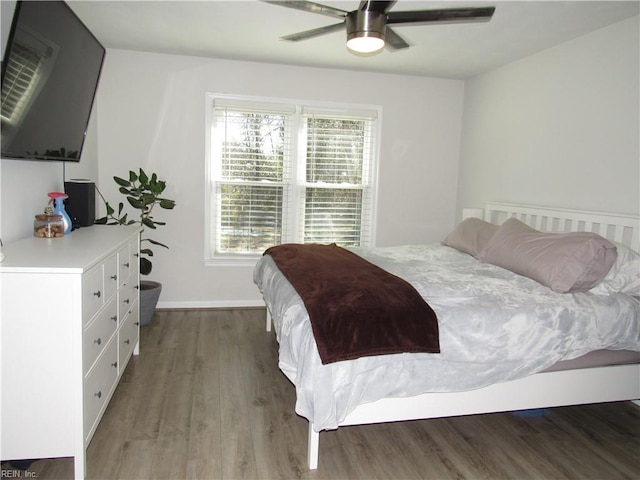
494, 326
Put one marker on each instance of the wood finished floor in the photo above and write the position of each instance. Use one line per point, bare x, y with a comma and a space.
205, 400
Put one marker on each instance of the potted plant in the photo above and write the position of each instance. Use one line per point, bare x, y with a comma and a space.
143, 192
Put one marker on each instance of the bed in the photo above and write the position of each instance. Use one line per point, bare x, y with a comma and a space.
579, 368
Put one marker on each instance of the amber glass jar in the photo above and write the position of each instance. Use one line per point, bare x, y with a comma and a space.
48, 226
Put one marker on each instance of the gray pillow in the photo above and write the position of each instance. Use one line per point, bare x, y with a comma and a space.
564, 262
470, 236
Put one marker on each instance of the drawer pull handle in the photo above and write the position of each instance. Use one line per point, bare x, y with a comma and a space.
98, 341
114, 277
136, 323
114, 318
137, 287
126, 300
97, 294
114, 364
127, 341
99, 394
136, 255
126, 264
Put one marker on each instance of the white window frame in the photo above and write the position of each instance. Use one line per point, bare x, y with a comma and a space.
248, 259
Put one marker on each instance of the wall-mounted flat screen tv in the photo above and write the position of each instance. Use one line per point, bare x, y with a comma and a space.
50, 74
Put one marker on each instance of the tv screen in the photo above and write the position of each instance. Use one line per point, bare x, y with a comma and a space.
50, 73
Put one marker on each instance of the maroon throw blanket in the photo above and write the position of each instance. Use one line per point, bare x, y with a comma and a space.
356, 308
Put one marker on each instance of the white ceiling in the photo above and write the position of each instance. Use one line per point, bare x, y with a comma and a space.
250, 30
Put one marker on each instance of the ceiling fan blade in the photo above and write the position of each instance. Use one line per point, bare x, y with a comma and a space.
311, 7
446, 15
393, 40
315, 32
376, 6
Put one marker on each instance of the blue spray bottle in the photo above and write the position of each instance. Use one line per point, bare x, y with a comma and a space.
58, 199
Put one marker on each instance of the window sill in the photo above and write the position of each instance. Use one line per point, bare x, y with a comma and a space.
232, 261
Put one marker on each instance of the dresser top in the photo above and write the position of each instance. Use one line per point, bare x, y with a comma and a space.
74, 253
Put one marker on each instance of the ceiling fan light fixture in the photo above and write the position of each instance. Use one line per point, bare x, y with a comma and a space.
365, 31
365, 43
366, 27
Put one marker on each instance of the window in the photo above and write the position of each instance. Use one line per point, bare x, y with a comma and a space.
288, 172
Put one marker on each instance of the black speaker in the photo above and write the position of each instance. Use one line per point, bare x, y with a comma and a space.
81, 204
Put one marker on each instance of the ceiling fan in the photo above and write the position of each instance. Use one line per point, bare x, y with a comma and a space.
368, 27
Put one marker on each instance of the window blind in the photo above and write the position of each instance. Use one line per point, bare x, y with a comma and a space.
252, 178
337, 157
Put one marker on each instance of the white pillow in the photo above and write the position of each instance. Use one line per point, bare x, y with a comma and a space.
624, 276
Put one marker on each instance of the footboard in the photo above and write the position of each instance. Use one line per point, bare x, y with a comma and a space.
542, 390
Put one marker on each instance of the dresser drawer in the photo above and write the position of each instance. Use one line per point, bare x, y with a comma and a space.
93, 293
111, 278
127, 296
128, 336
97, 335
126, 263
98, 386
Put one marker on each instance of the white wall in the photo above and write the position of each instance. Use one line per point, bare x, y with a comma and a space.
151, 114
558, 128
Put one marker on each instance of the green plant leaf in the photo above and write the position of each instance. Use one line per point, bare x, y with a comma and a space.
156, 243
145, 266
122, 182
157, 187
144, 179
136, 203
167, 204
147, 222
148, 198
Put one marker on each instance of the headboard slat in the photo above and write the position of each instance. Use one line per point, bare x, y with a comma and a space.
618, 233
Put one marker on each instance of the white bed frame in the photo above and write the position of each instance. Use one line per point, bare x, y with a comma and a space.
541, 390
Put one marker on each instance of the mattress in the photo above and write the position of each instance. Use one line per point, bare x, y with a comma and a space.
494, 326
597, 358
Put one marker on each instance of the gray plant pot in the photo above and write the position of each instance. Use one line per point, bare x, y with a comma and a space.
149, 295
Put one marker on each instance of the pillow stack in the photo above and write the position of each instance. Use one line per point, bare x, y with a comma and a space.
564, 262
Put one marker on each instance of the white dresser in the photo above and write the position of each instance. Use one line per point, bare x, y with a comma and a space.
68, 326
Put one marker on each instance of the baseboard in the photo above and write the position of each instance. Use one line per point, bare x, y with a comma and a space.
210, 304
